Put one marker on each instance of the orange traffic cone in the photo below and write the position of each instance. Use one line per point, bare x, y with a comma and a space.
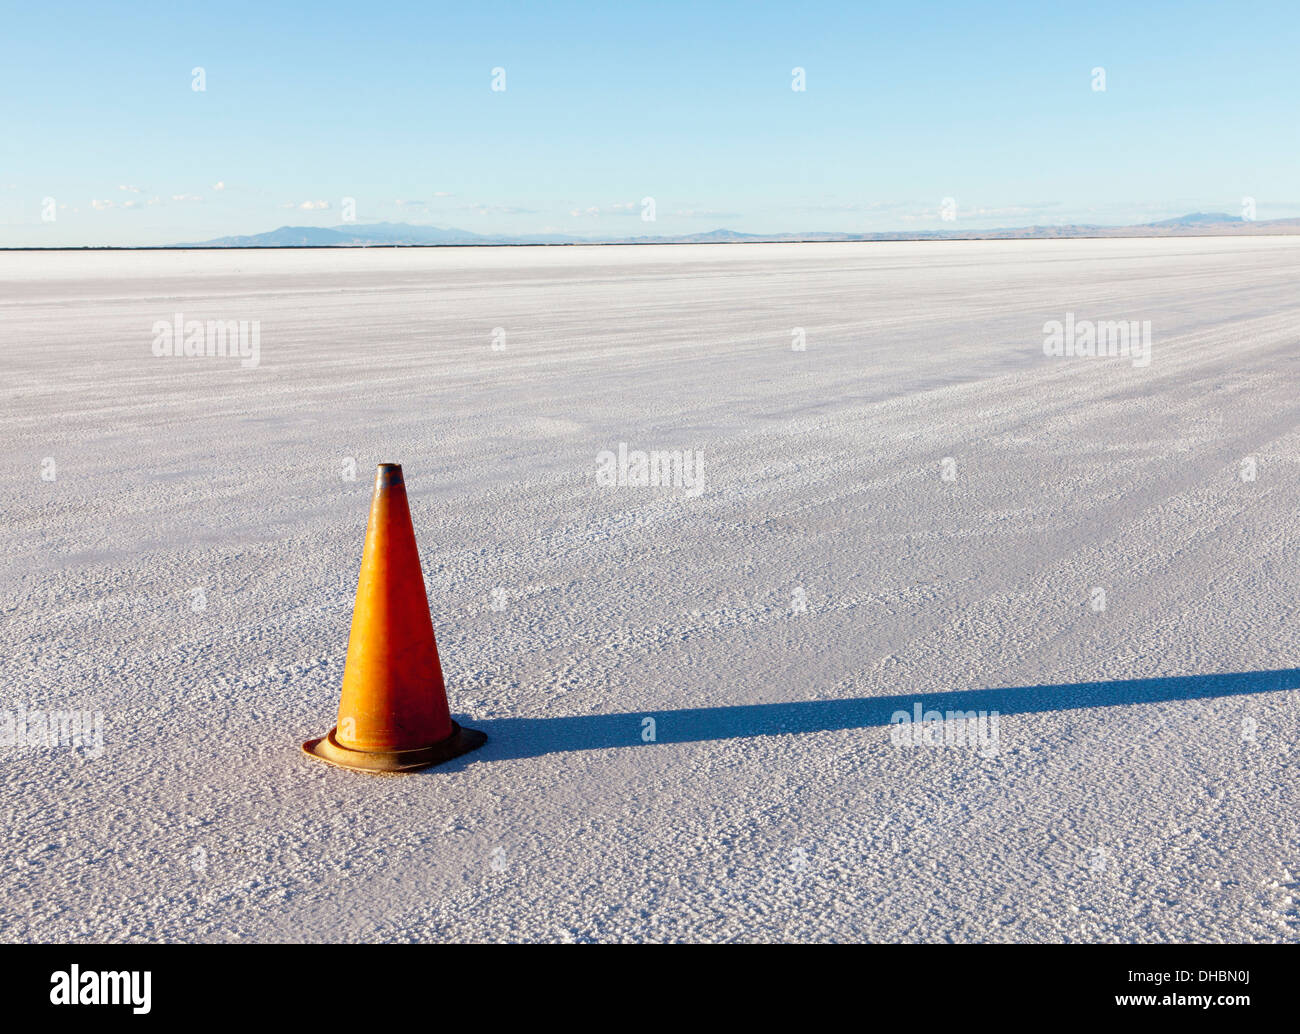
393, 713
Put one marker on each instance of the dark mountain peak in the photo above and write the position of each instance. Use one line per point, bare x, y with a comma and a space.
1200, 219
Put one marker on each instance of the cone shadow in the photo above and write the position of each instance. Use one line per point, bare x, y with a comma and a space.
515, 738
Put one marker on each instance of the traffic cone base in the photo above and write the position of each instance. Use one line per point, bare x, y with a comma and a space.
461, 741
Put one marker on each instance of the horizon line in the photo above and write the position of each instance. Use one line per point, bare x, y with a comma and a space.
633, 243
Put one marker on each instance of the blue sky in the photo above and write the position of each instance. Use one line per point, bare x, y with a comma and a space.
689, 103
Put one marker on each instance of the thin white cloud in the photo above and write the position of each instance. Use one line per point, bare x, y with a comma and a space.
981, 213
132, 190
187, 197
403, 202
703, 213
219, 185
497, 209
856, 206
307, 206
596, 211
99, 206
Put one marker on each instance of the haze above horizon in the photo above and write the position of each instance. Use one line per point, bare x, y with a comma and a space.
505, 120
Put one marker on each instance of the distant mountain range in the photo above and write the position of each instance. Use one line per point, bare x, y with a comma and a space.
360, 236
407, 235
